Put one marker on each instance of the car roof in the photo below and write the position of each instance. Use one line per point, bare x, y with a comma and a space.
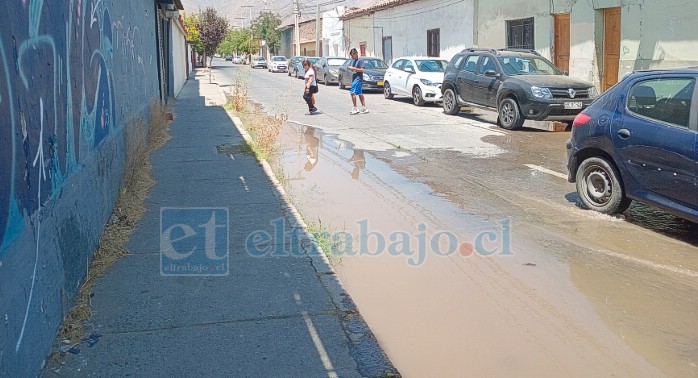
691, 69
415, 57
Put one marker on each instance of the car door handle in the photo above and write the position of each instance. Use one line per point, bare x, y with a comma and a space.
624, 133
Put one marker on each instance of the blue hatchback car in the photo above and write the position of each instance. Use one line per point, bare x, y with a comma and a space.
639, 141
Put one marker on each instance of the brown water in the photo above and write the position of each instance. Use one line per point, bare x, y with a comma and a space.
537, 305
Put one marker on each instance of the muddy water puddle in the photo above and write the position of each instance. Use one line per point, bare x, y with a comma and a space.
454, 293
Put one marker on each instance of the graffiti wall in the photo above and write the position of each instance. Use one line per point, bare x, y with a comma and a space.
72, 73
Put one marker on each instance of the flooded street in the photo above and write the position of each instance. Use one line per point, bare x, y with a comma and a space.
467, 253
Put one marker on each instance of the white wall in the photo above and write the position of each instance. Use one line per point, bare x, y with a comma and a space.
332, 35
358, 30
653, 34
180, 56
408, 24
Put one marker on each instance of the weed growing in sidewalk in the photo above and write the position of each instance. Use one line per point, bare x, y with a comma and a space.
262, 127
141, 140
323, 238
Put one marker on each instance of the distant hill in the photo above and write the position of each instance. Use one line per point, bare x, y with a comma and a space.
233, 10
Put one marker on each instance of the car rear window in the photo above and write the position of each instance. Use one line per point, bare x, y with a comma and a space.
335, 62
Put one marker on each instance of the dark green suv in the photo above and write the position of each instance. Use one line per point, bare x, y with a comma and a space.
517, 84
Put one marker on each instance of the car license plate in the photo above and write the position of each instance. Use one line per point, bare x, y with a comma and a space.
380, 82
573, 105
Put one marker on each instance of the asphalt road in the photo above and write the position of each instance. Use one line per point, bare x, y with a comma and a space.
580, 294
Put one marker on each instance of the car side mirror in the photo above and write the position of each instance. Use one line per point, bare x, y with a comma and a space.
491, 73
409, 69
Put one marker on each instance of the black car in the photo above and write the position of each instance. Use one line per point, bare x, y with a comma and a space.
374, 72
639, 141
518, 84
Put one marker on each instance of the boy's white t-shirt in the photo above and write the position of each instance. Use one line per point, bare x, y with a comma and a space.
307, 75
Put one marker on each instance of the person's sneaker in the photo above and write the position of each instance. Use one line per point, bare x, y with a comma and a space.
363, 111
354, 111
313, 110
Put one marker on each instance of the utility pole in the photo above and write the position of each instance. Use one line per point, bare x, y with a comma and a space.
318, 27
296, 32
251, 39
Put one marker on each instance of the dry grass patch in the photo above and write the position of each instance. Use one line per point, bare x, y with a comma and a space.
141, 140
262, 127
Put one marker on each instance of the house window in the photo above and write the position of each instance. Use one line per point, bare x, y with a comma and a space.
362, 48
433, 42
520, 34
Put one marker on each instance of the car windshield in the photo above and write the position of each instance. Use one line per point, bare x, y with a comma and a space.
432, 65
516, 65
335, 62
313, 60
279, 58
374, 63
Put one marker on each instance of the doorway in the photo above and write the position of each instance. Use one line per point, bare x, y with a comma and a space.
562, 41
611, 46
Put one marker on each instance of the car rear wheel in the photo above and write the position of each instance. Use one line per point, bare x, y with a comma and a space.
450, 103
509, 114
324, 80
599, 187
417, 98
341, 83
387, 91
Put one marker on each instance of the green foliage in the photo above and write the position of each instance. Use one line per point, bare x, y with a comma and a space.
191, 21
264, 27
213, 29
239, 41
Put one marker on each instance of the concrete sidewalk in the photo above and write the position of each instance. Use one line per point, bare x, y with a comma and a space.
271, 307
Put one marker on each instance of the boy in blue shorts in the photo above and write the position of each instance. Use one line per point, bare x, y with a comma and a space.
357, 65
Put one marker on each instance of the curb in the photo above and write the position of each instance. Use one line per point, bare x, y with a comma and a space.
364, 345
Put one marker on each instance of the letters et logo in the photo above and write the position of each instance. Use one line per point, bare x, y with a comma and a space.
194, 241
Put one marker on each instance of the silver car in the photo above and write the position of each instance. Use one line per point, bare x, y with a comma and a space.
328, 68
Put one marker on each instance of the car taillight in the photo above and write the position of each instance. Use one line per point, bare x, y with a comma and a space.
580, 119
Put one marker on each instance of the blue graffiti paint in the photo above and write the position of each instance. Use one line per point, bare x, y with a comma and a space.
12, 225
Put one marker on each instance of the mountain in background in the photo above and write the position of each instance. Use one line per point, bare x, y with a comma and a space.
235, 10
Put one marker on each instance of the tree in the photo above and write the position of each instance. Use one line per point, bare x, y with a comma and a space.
264, 27
212, 29
191, 21
236, 40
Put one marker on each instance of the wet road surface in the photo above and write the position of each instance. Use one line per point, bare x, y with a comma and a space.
532, 285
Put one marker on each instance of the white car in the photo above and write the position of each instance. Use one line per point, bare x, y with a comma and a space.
278, 64
417, 77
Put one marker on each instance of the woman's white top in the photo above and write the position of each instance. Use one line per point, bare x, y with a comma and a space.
310, 71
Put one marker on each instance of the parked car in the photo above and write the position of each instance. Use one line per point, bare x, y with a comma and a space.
374, 71
239, 59
639, 141
278, 63
417, 77
518, 84
228, 58
294, 64
296, 69
328, 68
258, 61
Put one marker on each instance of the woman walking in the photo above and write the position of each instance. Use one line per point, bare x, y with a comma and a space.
310, 86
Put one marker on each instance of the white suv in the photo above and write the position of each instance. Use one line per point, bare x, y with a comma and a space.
278, 64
